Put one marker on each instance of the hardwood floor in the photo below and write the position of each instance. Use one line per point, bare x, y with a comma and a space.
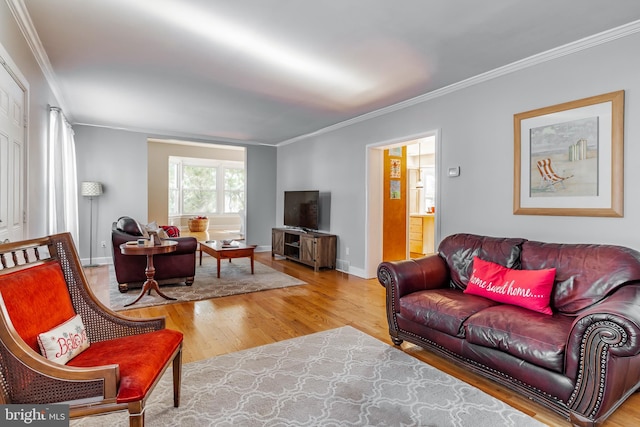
330, 300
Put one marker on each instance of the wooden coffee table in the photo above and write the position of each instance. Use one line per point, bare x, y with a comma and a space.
219, 251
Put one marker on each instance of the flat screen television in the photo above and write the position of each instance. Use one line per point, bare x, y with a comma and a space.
301, 209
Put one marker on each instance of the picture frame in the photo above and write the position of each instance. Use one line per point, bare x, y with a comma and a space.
395, 151
395, 170
568, 158
395, 190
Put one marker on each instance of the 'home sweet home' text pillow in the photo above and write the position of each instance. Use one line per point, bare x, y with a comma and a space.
525, 288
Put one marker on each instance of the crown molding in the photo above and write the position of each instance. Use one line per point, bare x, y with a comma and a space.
166, 134
564, 50
21, 15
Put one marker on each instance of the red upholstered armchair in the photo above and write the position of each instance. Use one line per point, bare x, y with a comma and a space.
171, 268
115, 361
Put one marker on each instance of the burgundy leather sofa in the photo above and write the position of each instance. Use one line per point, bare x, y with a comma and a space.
582, 361
174, 267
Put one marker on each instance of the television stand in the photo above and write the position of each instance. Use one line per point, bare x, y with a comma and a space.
312, 248
294, 229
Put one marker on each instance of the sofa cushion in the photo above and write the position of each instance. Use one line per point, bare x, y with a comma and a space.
131, 226
155, 228
525, 334
585, 274
442, 309
186, 245
458, 251
530, 289
138, 369
29, 296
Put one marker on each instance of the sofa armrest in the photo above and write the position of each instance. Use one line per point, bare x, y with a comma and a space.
408, 276
622, 308
603, 352
186, 245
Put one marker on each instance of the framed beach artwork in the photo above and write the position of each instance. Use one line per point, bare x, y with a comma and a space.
568, 158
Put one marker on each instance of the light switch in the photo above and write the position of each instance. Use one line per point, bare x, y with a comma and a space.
453, 172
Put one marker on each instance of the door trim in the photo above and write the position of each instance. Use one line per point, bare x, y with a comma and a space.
373, 197
14, 72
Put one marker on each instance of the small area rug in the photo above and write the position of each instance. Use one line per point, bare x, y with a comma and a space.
340, 377
235, 278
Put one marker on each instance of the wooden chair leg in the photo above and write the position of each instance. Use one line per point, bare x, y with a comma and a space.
136, 414
177, 378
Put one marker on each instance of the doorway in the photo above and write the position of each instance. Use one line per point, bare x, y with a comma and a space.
13, 103
421, 196
374, 241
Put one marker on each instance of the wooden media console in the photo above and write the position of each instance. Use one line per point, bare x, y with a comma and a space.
315, 249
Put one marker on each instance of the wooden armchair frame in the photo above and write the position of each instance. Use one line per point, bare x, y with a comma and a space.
28, 377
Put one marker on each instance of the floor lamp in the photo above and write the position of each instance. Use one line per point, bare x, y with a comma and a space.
91, 189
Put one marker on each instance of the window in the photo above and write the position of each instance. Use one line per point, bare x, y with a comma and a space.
174, 189
205, 186
198, 189
233, 189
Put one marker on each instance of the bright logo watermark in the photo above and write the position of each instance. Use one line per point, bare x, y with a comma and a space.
34, 415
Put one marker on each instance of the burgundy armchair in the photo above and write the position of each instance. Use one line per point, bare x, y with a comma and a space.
171, 268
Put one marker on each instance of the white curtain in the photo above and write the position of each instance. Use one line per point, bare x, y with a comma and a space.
62, 181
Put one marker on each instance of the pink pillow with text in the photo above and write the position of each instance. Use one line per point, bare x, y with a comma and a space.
525, 288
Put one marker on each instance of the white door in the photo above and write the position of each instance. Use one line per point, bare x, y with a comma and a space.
12, 131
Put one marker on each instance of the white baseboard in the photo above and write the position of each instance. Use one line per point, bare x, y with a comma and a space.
358, 272
97, 261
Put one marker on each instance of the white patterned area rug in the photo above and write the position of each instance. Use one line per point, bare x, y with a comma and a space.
340, 377
235, 278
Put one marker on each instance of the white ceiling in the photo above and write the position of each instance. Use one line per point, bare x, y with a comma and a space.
269, 71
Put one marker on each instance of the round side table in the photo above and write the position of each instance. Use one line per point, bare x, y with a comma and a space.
149, 251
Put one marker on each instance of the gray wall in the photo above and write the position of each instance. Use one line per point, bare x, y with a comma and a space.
476, 128
118, 159
14, 49
335, 164
476, 131
261, 193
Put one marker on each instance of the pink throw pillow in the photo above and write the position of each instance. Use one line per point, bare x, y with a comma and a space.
525, 288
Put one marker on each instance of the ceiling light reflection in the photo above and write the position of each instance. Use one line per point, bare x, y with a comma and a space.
256, 45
